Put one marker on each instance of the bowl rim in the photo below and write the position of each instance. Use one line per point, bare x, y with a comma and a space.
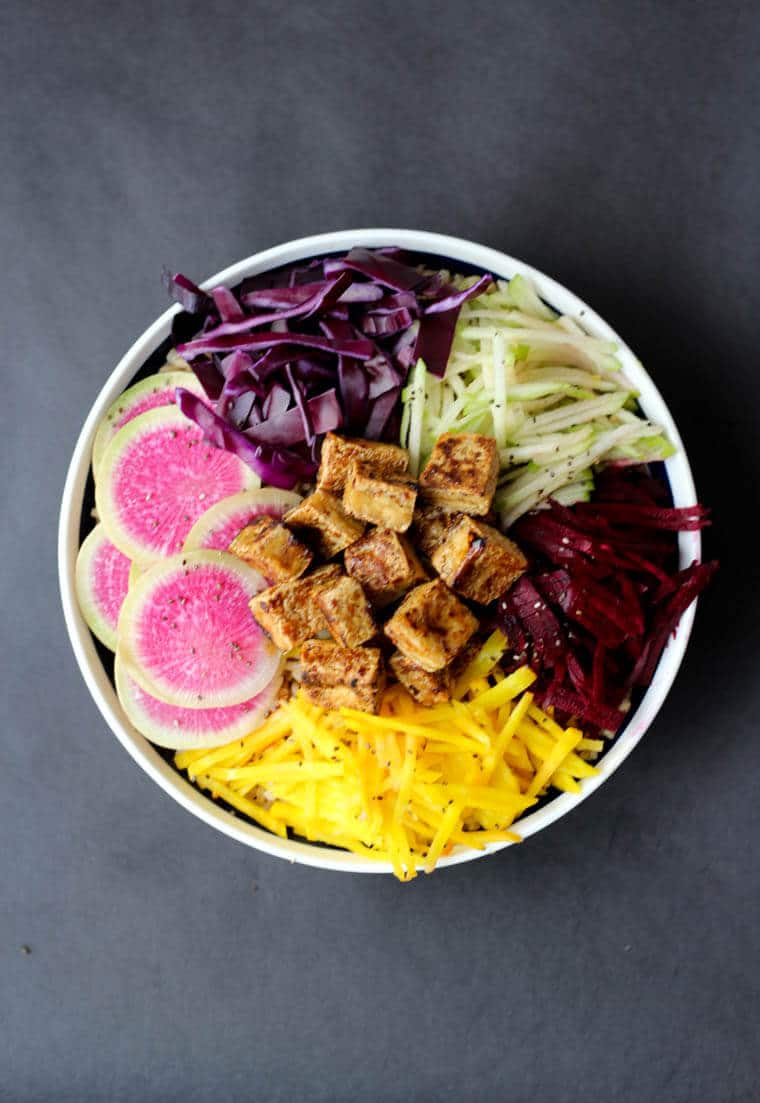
455, 249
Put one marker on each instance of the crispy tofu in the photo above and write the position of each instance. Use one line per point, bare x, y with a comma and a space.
338, 452
347, 612
431, 523
324, 518
385, 500
289, 613
461, 473
425, 687
362, 698
272, 549
431, 626
325, 663
385, 564
478, 561
335, 677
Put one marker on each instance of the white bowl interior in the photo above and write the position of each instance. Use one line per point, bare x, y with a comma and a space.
98, 682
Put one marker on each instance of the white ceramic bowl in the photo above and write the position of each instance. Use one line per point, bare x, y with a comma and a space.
98, 682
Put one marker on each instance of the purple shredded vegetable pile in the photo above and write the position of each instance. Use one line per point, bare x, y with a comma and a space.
287, 357
602, 594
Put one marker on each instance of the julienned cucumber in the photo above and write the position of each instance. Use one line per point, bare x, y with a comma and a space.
553, 397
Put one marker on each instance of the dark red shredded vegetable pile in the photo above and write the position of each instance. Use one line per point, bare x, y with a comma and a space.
602, 594
291, 356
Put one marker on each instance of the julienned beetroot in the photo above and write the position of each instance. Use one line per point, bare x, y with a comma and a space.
602, 594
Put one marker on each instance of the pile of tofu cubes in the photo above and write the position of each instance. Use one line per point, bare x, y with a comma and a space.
418, 562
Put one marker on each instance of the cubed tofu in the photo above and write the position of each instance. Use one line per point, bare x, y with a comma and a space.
385, 564
323, 517
289, 612
338, 452
461, 473
425, 687
325, 663
430, 525
478, 561
272, 549
431, 625
330, 698
385, 500
347, 612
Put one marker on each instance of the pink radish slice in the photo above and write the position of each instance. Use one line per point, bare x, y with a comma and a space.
188, 729
156, 390
102, 581
156, 478
219, 526
188, 637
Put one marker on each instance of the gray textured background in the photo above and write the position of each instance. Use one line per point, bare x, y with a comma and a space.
615, 957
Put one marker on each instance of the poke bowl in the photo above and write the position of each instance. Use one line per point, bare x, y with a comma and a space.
441, 258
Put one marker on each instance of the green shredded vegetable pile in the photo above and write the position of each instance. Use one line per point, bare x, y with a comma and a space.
554, 398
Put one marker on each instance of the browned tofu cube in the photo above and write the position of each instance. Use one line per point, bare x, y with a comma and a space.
478, 561
324, 518
431, 625
461, 473
289, 613
272, 549
385, 565
338, 452
362, 698
425, 687
325, 663
347, 612
430, 525
384, 500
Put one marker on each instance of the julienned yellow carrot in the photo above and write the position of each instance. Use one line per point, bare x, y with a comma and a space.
409, 784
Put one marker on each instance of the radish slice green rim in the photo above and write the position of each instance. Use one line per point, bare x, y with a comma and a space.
148, 394
102, 579
215, 525
181, 729
187, 635
156, 478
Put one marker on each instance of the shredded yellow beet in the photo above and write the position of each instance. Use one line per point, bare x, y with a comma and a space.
408, 785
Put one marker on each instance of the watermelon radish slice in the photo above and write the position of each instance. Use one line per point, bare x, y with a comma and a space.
219, 526
156, 390
134, 574
102, 581
156, 478
188, 729
187, 636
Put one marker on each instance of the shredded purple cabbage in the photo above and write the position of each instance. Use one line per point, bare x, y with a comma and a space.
276, 466
328, 344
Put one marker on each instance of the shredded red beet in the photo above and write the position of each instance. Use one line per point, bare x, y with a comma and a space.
602, 594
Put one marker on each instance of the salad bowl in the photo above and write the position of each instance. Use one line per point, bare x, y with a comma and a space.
452, 252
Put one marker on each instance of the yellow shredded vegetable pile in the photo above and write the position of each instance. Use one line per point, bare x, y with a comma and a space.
410, 784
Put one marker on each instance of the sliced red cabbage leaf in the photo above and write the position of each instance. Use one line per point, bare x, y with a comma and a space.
328, 293
189, 296
281, 467
228, 307
349, 326
361, 349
